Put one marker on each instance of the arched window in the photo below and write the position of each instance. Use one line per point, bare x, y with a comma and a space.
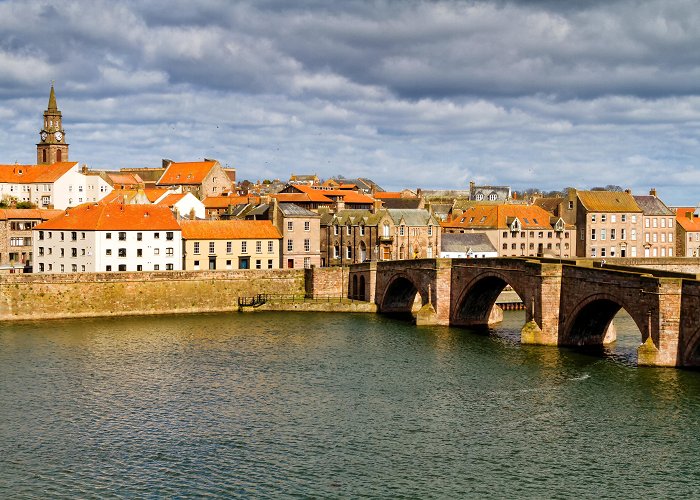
386, 231
493, 197
479, 196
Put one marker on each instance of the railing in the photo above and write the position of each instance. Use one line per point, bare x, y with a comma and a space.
260, 299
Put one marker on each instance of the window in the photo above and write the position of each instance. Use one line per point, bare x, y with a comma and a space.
169, 267
613, 218
603, 218
156, 236
290, 225
73, 252
122, 267
169, 252
169, 235
229, 247
647, 223
122, 236
335, 230
571, 205
670, 224
633, 234
602, 252
663, 222
62, 236
430, 230
63, 268
196, 265
82, 236
139, 267
634, 218
211, 247
505, 234
670, 240
156, 267
270, 247
156, 251
195, 250
307, 225
348, 230
663, 237
602, 234
244, 247
139, 252
336, 252
63, 252
612, 233
269, 263
348, 252
122, 252
41, 250
108, 269
655, 223
139, 236
73, 235
401, 230
623, 233
258, 247
290, 245
592, 234
592, 217
41, 267
307, 245
258, 264
41, 235
108, 236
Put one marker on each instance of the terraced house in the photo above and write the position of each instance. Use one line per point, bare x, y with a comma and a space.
108, 238
516, 230
230, 244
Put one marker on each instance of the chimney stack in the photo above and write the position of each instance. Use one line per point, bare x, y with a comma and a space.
652, 192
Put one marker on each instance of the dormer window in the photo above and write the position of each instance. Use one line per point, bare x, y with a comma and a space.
479, 197
515, 226
493, 197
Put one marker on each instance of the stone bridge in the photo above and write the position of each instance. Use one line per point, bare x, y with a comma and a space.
566, 303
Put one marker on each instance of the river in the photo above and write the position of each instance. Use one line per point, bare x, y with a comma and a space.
290, 405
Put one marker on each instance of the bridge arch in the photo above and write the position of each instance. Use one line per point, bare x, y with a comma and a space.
589, 322
478, 297
401, 294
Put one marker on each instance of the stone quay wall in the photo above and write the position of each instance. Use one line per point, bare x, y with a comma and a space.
326, 281
52, 296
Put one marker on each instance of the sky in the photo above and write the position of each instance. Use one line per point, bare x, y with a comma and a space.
429, 94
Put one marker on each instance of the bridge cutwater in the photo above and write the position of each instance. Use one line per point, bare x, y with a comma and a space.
566, 303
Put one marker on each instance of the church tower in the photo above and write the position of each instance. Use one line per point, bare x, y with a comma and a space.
52, 146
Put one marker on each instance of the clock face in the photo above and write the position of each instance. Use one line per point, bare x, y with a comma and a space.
44, 135
58, 136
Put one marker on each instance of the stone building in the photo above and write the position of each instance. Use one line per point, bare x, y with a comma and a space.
609, 223
201, 178
659, 226
517, 230
489, 193
301, 235
688, 232
16, 236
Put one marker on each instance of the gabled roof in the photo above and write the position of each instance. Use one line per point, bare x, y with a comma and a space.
28, 174
186, 173
688, 218
500, 217
113, 217
28, 213
461, 242
124, 179
119, 196
608, 201
228, 229
292, 210
226, 201
411, 217
170, 200
347, 195
651, 205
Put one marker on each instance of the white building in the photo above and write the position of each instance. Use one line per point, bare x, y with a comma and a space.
59, 185
108, 238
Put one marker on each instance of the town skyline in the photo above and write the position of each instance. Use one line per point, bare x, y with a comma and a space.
409, 94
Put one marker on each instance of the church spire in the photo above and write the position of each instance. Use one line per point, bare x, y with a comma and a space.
52, 100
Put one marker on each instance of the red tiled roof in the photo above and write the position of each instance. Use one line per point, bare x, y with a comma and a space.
27, 174
125, 179
113, 217
687, 220
228, 229
226, 201
28, 213
496, 217
186, 173
382, 195
348, 195
171, 199
118, 196
153, 194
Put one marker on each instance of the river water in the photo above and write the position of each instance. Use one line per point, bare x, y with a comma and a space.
281, 405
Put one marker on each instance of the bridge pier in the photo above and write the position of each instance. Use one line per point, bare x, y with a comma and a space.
660, 348
542, 313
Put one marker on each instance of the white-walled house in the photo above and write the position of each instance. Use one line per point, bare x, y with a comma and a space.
59, 185
184, 204
108, 238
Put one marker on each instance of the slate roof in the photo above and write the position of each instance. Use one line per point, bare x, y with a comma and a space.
401, 203
352, 217
651, 205
411, 217
460, 242
292, 210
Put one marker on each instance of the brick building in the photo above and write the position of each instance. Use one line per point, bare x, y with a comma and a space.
16, 236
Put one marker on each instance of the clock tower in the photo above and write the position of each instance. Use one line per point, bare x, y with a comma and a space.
52, 147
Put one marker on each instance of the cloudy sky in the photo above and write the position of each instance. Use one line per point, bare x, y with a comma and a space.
427, 94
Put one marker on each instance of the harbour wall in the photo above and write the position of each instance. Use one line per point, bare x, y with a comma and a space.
53, 296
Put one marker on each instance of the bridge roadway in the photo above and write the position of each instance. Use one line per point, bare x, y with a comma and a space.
567, 303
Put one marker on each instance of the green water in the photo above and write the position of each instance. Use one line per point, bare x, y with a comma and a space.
305, 405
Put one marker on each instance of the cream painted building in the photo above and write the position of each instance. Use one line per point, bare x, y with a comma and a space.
230, 244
